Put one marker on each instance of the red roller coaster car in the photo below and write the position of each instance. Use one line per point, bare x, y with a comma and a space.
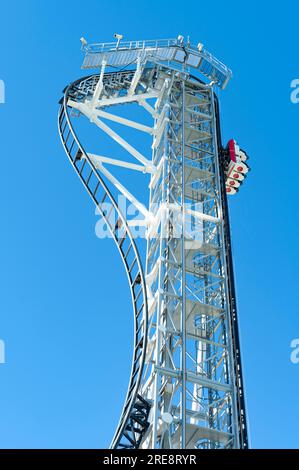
235, 167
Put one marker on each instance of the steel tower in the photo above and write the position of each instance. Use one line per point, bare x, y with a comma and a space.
186, 386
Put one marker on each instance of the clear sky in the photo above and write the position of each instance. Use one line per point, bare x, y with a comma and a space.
65, 305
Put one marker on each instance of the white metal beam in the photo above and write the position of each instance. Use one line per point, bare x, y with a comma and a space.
148, 107
105, 102
148, 164
124, 121
136, 78
127, 99
148, 216
88, 111
113, 161
99, 86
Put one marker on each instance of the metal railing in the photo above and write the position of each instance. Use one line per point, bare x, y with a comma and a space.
113, 46
118, 52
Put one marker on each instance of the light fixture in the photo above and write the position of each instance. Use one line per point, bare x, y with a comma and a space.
83, 41
118, 37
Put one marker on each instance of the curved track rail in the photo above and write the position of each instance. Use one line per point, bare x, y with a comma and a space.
133, 422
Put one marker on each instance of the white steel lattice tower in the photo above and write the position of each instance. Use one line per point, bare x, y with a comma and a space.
185, 389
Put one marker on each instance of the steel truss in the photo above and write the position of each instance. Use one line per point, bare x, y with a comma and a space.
185, 389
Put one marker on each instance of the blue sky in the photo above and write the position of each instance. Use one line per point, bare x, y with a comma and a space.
65, 306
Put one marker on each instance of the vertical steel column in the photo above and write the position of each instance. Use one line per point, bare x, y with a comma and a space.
183, 280
239, 381
190, 375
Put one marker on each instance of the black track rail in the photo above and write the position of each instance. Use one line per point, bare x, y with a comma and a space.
239, 383
133, 422
241, 408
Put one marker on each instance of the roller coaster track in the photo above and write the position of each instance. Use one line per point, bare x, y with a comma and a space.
186, 385
133, 422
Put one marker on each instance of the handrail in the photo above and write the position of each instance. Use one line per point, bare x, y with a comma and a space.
109, 46
169, 50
